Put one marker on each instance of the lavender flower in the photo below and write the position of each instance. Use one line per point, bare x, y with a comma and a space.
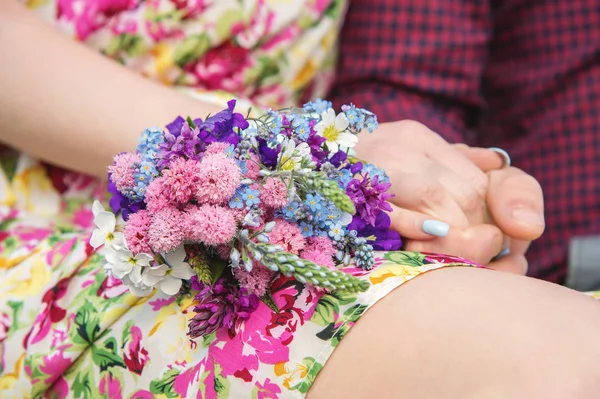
369, 197
120, 203
222, 305
185, 145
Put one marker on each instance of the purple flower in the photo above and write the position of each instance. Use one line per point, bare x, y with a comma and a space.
268, 155
185, 144
220, 126
315, 143
175, 127
222, 305
337, 159
120, 203
369, 197
385, 239
356, 168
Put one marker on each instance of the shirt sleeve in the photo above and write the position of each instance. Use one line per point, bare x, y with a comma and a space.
415, 59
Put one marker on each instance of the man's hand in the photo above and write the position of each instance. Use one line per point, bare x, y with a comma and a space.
486, 207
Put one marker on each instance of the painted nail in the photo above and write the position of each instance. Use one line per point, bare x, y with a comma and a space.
436, 228
502, 254
528, 216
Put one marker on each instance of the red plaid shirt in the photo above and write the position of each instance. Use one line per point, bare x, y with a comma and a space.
523, 75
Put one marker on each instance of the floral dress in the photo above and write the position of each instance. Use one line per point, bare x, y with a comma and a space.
67, 330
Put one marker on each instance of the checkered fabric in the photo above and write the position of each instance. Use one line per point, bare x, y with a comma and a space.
523, 75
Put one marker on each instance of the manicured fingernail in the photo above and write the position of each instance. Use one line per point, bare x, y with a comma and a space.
436, 228
502, 254
528, 216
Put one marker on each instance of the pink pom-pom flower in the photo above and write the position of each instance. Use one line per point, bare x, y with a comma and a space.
253, 167
255, 281
166, 231
288, 236
136, 232
181, 180
318, 257
210, 224
123, 171
217, 148
320, 244
274, 193
217, 180
155, 197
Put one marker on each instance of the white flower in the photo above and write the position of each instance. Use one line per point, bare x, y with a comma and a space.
167, 277
105, 233
333, 128
292, 156
138, 289
125, 263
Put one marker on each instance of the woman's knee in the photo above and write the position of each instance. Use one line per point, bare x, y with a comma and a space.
468, 333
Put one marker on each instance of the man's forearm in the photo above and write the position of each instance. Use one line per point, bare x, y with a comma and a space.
70, 106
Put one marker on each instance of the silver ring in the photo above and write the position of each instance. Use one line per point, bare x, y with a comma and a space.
503, 154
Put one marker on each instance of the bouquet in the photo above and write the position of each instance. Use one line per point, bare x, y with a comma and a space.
218, 208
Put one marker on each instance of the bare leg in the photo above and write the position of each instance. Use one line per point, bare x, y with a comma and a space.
468, 333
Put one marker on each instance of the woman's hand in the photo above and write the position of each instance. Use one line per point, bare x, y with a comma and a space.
463, 187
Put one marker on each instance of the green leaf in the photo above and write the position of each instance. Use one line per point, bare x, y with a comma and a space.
353, 313
87, 325
314, 368
221, 383
84, 385
326, 310
190, 122
216, 268
126, 333
208, 339
16, 312
106, 356
226, 21
268, 300
412, 259
8, 162
164, 385
191, 49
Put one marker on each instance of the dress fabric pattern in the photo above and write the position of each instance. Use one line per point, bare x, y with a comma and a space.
67, 330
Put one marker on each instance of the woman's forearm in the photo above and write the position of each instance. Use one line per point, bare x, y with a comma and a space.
71, 106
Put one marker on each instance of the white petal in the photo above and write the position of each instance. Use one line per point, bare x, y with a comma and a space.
140, 291
319, 127
175, 257
183, 271
144, 259
153, 275
97, 207
97, 238
123, 254
120, 269
136, 275
347, 139
341, 122
110, 254
170, 285
328, 116
105, 221
332, 146
345, 219
118, 241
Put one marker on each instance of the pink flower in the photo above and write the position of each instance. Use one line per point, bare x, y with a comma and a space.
288, 236
218, 179
136, 232
320, 244
217, 148
110, 386
155, 198
54, 366
123, 170
210, 224
256, 281
253, 166
135, 355
274, 193
318, 257
181, 180
166, 230
268, 390
5, 323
